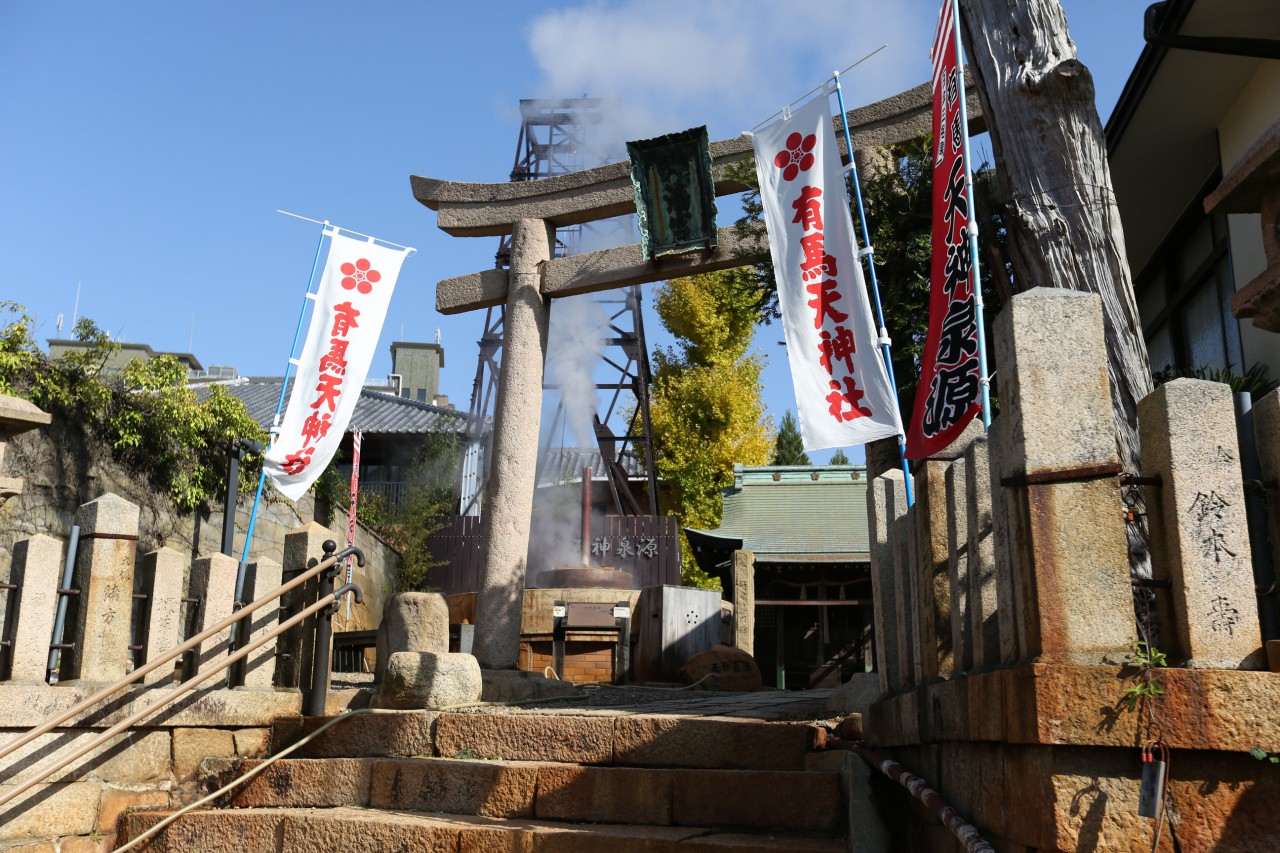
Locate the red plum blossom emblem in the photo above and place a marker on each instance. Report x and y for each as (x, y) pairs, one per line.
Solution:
(359, 276)
(798, 157)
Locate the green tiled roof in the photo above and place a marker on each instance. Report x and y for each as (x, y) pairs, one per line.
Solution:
(795, 514)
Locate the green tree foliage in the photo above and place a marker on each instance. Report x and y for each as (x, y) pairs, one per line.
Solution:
(897, 197)
(154, 424)
(409, 524)
(839, 458)
(706, 404)
(788, 447)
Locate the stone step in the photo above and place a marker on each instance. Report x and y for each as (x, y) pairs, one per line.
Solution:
(781, 800)
(354, 830)
(601, 738)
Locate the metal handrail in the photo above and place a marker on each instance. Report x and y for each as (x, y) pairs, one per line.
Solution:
(327, 600)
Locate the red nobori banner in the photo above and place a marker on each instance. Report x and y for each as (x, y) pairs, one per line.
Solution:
(843, 395)
(350, 305)
(949, 393)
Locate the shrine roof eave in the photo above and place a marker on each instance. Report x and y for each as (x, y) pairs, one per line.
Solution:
(592, 272)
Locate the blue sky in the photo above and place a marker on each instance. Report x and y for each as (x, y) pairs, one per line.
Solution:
(147, 145)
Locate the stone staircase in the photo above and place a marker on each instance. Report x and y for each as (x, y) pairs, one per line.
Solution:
(534, 781)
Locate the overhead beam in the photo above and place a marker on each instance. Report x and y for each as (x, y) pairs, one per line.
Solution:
(592, 272)
(490, 210)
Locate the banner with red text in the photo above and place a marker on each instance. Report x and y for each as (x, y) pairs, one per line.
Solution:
(949, 393)
(843, 395)
(346, 321)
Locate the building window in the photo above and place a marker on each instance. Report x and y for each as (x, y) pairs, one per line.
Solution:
(1184, 296)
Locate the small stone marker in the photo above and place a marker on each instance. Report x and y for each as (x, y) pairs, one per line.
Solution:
(411, 622)
(1199, 532)
(416, 680)
(161, 572)
(36, 570)
(101, 613)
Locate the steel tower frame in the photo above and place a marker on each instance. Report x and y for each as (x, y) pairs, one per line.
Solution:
(555, 139)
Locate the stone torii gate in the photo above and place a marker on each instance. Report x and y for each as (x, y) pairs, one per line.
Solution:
(531, 211)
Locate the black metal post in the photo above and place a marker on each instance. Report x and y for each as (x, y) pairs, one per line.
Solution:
(558, 632)
(320, 658)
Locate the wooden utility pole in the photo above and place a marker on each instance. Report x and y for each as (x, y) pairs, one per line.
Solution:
(1052, 173)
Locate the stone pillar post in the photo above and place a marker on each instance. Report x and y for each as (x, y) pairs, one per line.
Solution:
(886, 503)
(161, 573)
(104, 575)
(984, 629)
(260, 578)
(1069, 547)
(958, 566)
(929, 567)
(744, 601)
(37, 571)
(1266, 431)
(303, 548)
(517, 415)
(1001, 465)
(904, 581)
(1199, 531)
(213, 581)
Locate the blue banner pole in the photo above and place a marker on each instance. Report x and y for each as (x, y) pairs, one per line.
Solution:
(275, 421)
(984, 378)
(868, 252)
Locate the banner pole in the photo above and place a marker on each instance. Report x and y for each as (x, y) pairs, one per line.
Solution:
(869, 252)
(984, 378)
(356, 440)
(275, 421)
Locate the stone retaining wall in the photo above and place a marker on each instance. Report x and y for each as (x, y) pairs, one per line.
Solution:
(1009, 661)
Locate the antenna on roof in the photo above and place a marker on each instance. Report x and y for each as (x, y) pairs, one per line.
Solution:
(191, 334)
(61, 317)
(75, 312)
(437, 336)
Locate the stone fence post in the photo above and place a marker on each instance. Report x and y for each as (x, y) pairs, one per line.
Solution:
(886, 505)
(161, 574)
(260, 578)
(1266, 431)
(303, 548)
(1199, 532)
(104, 575)
(1068, 547)
(984, 629)
(28, 624)
(213, 582)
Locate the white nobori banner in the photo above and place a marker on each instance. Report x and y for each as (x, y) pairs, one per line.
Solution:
(346, 321)
(843, 395)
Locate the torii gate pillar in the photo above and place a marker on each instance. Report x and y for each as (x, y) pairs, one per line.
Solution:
(517, 417)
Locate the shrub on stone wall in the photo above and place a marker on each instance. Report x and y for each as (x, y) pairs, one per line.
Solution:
(146, 414)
